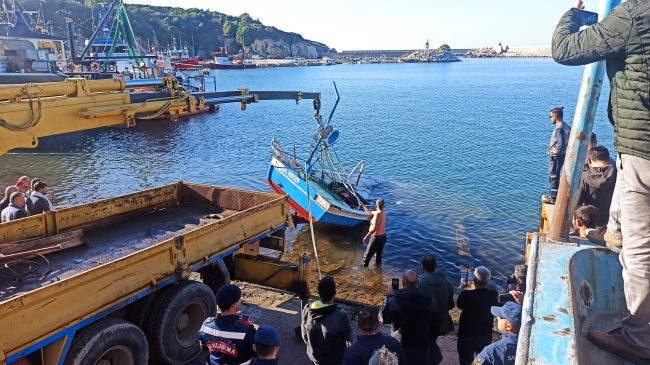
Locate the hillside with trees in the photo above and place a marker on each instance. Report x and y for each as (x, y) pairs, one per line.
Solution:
(201, 31)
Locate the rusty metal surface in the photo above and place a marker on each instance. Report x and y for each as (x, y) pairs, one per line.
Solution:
(227, 198)
(570, 289)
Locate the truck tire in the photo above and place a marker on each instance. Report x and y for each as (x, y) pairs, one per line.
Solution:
(140, 311)
(176, 319)
(108, 341)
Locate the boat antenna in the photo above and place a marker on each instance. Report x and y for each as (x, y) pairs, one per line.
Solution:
(336, 91)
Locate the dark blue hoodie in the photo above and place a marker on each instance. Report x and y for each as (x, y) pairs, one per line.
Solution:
(361, 352)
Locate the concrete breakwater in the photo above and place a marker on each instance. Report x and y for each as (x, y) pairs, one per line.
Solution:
(430, 56)
(423, 56)
(508, 52)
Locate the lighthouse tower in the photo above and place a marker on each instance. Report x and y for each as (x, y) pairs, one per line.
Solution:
(426, 45)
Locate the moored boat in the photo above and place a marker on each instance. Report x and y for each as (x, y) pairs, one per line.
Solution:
(222, 61)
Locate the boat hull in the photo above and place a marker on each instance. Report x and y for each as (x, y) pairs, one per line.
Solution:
(286, 182)
(187, 64)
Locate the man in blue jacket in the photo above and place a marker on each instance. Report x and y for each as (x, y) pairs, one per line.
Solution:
(228, 338)
(267, 345)
(371, 340)
(504, 351)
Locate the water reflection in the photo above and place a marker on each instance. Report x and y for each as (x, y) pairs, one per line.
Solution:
(464, 161)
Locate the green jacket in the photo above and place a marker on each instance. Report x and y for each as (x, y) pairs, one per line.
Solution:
(621, 39)
(436, 285)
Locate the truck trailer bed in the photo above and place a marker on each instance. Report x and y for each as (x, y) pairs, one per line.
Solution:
(137, 243)
(113, 241)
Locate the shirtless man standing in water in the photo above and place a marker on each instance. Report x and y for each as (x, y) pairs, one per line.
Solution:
(376, 233)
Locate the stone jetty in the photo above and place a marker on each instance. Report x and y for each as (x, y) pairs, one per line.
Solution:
(430, 56)
(510, 52)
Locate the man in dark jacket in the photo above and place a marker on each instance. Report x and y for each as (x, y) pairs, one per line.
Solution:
(413, 317)
(40, 203)
(16, 209)
(440, 289)
(476, 321)
(229, 338)
(371, 340)
(267, 345)
(6, 200)
(597, 183)
(325, 327)
(622, 39)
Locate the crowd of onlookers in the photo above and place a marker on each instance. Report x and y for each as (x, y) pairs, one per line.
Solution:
(417, 312)
(27, 197)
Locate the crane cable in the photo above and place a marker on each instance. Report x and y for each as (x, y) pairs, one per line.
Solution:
(166, 107)
(311, 224)
(33, 120)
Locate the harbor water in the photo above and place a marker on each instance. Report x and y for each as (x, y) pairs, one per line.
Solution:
(461, 147)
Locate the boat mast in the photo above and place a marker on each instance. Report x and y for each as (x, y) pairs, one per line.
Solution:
(98, 29)
(323, 132)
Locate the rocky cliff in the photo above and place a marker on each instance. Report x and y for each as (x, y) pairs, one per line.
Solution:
(270, 48)
(202, 31)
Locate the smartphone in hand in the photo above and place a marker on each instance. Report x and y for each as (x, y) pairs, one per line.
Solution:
(588, 17)
(395, 284)
(504, 298)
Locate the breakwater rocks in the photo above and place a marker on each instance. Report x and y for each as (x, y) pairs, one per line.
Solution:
(500, 52)
(430, 56)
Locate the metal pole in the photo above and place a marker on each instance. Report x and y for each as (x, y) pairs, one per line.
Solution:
(583, 121)
(99, 28)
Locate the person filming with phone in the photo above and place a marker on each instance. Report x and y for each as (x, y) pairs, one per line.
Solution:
(413, 316)
(622, 40)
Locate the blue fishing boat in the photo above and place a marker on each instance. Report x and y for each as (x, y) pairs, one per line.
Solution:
(319, 187)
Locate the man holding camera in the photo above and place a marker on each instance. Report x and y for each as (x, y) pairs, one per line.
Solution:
(413, 316)
(622, 40)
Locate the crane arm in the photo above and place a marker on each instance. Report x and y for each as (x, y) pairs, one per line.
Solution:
(31, 111)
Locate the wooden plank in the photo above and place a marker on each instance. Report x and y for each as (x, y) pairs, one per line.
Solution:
(65, 240)
(28, 254)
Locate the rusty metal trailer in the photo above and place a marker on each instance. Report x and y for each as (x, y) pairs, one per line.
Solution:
(126, 296)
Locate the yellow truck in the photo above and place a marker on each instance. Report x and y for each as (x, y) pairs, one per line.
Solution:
(126, 292)
(126, 295)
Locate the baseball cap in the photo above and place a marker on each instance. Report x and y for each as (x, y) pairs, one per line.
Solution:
(267, 336)
(228, 295)
(510, 311)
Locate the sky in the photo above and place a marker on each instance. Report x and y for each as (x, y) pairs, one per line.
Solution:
(405, 24)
